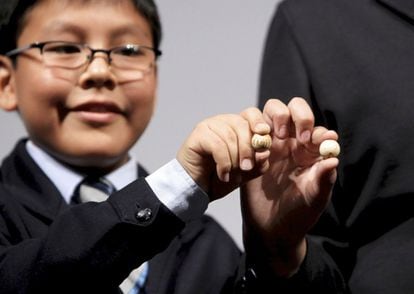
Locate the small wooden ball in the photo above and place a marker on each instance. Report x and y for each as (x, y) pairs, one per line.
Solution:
(329, 148)
(261, 142)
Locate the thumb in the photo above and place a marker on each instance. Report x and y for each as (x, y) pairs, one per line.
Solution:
(325, 179)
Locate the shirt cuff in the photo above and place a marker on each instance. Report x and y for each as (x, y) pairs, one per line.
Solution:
(177, 190)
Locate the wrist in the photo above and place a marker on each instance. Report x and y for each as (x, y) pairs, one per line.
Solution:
(279, 260)
(286, 261)
(194, 169)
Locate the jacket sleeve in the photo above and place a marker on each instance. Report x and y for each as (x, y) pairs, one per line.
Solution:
(88, 247)
(284, 75)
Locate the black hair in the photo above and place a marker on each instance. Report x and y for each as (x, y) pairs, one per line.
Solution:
(13, 12)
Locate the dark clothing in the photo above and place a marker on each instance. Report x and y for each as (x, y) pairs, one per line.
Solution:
(354, 62)
(47, 246)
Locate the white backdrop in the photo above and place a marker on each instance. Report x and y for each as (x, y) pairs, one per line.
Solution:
(212, 53)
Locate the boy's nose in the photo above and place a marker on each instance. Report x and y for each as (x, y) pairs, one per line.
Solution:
(98, 73)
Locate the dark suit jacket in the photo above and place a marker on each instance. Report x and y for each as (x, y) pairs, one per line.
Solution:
(46, 246)
(354, 62)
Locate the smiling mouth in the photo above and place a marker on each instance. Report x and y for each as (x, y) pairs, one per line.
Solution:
(98, 107)
(97, 113)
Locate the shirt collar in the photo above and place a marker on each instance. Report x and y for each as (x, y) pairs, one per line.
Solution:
(66, 179)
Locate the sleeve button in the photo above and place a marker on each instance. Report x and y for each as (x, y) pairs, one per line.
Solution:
(144, 215)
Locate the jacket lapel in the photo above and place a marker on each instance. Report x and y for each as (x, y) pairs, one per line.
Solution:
(404, 8)
(21, 176)
(23, 179)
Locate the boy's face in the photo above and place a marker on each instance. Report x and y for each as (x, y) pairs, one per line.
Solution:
(86, 117)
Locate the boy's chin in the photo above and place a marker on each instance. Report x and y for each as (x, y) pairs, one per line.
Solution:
(97, 164)
(85, 158)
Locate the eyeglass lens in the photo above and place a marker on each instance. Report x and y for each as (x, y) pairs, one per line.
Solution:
(128, 62)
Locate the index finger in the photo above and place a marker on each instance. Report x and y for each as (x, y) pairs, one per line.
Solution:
(276, 114)
(302, 118)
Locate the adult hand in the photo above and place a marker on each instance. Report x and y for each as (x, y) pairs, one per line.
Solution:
(280, 207)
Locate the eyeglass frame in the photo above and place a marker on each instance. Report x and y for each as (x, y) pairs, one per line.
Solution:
(40, 45)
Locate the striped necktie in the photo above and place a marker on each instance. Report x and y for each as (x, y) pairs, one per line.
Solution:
(93, 189)
(98, 189)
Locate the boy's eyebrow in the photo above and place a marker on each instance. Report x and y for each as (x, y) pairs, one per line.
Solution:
(60, 27)
(129, 31)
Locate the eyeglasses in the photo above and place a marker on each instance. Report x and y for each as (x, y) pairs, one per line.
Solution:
(128, 58)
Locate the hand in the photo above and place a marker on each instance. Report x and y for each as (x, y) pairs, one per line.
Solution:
(280, 207)
(218, 154)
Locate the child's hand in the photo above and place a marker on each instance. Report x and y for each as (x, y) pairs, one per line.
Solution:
(219, 155)
(280, 207)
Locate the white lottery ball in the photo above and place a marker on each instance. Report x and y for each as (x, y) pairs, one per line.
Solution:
(329, 148)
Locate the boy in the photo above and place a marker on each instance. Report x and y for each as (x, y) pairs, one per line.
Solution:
(84, 106)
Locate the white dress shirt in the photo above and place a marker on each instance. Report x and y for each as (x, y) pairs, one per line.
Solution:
(170, 183)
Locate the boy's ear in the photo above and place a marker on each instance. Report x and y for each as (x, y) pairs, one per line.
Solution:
(8, 100)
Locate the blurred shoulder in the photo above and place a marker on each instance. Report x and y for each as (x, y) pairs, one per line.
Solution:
(322, 17)
(311, 9)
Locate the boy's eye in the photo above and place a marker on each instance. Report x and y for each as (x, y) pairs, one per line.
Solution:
(129, 50)
(62, 48)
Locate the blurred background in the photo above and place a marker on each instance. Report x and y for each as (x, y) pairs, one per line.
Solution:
(210, 65)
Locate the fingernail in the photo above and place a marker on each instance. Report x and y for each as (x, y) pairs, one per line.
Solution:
(226, 177)
(246, 164)
(262, 128)
(305, 136)
(283, 131)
